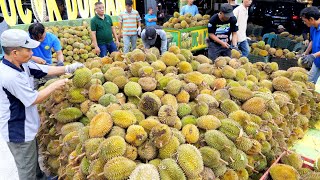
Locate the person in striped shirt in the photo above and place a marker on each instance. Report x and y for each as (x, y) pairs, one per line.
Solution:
(130, 25)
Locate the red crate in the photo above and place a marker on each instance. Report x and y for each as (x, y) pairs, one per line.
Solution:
(308, 163)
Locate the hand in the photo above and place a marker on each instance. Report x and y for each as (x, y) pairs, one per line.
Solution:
(149, 20)
(39, 60)
(139, 30)
(59, 83)
(308, 59)
(225, 45)
(60, 63)
(306, 42)
(73, 67)
(97, 50)
(117, 44)
(234, 47)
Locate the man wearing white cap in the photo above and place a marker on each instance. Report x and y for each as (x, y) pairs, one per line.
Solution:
(281, 29)
(19, 118)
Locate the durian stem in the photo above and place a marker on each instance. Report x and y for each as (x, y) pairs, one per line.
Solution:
(95, 154)
(89, 176)
(76, 168)
(101, 174)
(252, 168)
(231, 159)
(80, 156)
(223, 161)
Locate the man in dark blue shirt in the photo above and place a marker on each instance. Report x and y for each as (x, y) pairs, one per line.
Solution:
(311, 17)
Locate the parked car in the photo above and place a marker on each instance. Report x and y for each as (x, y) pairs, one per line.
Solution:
(271, 14)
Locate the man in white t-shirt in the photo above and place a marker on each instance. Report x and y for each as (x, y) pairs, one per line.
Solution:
(241, 13)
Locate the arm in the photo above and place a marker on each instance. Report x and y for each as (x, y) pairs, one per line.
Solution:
(46, 92)
(56, 70)
(38, 60)
(60, 56)
(182, 11)
(164, 42)
(94, 42)
(234, 39)
(115, 35)
(308, 50)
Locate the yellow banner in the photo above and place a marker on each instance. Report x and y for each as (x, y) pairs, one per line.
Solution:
(85, 8)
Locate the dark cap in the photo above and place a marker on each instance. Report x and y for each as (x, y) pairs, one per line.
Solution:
(129, 2)
(151, 33)
(227, 10)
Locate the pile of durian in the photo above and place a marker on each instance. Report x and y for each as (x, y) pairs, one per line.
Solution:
(75, 42)
(185, 21)
(174, 116)
(291, 167)
(262, 49)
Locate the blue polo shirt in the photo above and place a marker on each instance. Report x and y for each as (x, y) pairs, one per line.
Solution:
(150, 16)
(19, 118)
(44, 49)
(315, 38)
(193, 10)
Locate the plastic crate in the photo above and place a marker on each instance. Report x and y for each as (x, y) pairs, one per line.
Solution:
(291, 45)
(254, 58)
(284, 63)
(282, 42)
(307, 163)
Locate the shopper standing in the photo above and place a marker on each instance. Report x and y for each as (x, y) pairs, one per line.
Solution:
(311, 17)
(150, 18)
(130, 26)
(241, 13)
(102, 30)
(19, 117)
(189, 8)
(220, 27)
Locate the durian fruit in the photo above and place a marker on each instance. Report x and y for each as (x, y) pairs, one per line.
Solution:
(230, 174)
(184, 67)
(183, 110)
(160, 135)
(100, 125)
(228, 72)
(70, 127)
(241, 93)
(283, 172)
(170, 59)
(91, 146)
(170, 149)
(207, 174)
(95, 92)
(218, 140)
(114, 72)
(145, 171)
(169, 169)
(211, 157)
(132, 89)
(148, 83)
(255, 105)
(282, 83)
(208, 122)
(112, 147)
(293, 159)
(228, 106)
(131, 152)
(77, 95)
(136, 135)
(68, 115)
(231, 128)
(191, 133)
(123, 118)
(194, 77)
(167, 115)
(183, 96)
(81, 77)
(147, 151)
(174, 86)
(235, 54)
(174, 49)
(95, 168)
(117, 131)
(119, 168)
(149, 104)
(190, 160)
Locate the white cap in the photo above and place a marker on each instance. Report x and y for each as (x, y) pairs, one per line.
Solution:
(17, 38)
(281, 27)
